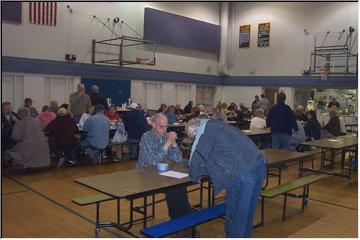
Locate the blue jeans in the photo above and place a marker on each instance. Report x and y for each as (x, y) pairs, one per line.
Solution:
(294, 141)
(242, 197)
(133, 146)
(280, 141)
(177, 202)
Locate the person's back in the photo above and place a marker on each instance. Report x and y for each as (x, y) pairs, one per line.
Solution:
(257, 123)
(171, 117)
(97, 130)
(312, 129)
(46, 117)
(281, 119)
(63, 128)
(31, 148)
(135, 124)
(226, 141)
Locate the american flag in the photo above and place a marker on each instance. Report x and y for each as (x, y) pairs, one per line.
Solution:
(43, 13)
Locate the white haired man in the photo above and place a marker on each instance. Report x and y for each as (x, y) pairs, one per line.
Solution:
(233, 162)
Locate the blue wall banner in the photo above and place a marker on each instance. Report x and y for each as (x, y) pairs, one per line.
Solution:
(118, 90)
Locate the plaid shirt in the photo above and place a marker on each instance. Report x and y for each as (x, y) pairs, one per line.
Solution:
(152, 152)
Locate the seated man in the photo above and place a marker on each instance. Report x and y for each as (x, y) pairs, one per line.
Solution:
(8, 120)
(63, 129)
(85, 116)
(170, 114)
(96, 129)
(258, 122)
(333, 126)
(156, 146)
(31, 149)
(297, 137)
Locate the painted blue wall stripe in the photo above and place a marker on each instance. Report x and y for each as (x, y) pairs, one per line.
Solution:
(27, 65)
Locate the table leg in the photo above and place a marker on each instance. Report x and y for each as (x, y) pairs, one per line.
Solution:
(145, 211)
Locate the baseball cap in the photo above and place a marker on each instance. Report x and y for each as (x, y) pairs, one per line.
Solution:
(133, 105)
(99, 107)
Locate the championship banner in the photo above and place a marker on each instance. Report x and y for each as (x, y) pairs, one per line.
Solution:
(264, 35)
(244, 36)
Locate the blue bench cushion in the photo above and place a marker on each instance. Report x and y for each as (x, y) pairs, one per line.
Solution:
(186, 221)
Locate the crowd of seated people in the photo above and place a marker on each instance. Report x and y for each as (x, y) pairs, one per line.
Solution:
(288, 127)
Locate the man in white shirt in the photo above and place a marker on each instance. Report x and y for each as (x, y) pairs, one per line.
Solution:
(264, 104)
(258, 122)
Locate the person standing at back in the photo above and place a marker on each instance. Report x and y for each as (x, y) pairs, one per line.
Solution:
(28, 104)
(264, 104)
(255, 104)
(79, 102)
(281, 120)
(96, 98)
(188, 107)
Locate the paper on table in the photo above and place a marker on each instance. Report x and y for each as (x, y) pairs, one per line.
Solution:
(333, 140)
(174, 174)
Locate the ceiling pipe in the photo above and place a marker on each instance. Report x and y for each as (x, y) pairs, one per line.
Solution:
(224, 29)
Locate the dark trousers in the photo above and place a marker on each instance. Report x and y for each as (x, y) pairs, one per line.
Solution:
(177, 202)
(70, 152)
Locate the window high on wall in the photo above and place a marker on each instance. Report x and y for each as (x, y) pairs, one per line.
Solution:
(205, 96)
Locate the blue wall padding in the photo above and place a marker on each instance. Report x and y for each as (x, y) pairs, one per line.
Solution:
(178, 31)
(118, 90)
(38, 66)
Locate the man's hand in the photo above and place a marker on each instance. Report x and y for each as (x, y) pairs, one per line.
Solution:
(172, 136)
(14, 118)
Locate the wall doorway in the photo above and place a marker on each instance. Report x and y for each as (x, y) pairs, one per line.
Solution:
(271, 94)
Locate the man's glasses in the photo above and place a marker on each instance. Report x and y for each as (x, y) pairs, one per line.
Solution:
(162, 127)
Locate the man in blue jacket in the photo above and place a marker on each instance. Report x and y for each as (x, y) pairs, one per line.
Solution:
(233, 162)
(97, 129)
(136, 125)
(281, 121)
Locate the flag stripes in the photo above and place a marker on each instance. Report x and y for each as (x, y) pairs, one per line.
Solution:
(43, 13)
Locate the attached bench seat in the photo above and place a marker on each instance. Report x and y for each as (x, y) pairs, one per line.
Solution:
(95, 199)
(284, 188)
(184, 222)
(92, 199)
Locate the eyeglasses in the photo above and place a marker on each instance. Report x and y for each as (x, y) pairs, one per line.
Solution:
(161, 127)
